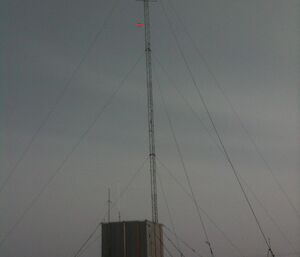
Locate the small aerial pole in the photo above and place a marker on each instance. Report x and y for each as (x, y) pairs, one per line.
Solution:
(108, 206)
(152, 157)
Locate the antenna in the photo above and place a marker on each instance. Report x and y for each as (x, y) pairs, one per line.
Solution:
(119, 197)
(152, 157)
(108, 206)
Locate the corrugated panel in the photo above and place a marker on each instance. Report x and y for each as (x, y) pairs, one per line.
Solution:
(112, 240)
(131, 239)
(136, 238)
(155, 240)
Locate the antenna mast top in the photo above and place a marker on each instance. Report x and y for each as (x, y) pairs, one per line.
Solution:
(152, 157)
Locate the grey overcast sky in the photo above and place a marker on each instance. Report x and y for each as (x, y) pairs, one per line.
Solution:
(53, 197)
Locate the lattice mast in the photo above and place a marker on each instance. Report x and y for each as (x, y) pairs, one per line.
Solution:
(152, 157)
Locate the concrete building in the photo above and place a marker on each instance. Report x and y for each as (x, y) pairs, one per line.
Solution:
(132, 239)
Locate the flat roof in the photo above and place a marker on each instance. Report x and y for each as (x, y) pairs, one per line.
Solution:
(130, 221)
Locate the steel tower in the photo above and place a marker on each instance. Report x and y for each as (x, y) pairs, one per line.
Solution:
(152, 157)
